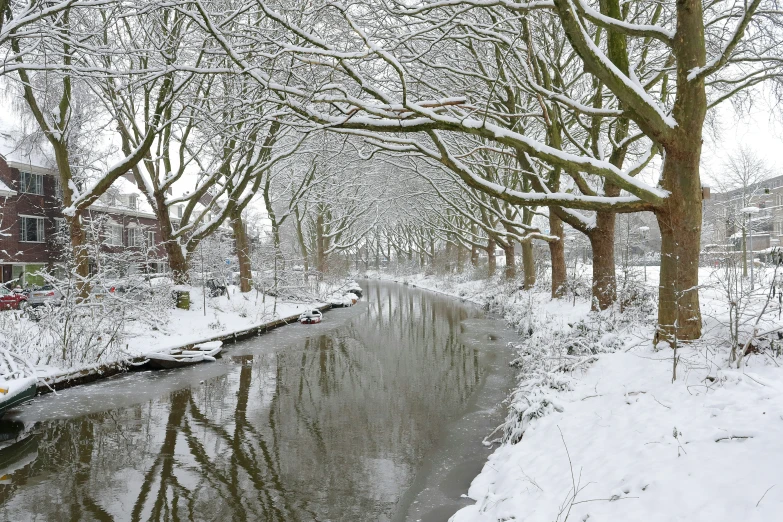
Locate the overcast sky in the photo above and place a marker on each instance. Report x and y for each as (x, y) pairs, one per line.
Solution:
(759, 128)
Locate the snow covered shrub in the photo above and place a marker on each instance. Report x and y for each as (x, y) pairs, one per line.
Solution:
(549, 356)
(75, 331)
(748, 318)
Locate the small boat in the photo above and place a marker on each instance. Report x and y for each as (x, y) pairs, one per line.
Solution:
(311, 317)
(341, 301)
(18, 383)
(354, 288)
(204, 352)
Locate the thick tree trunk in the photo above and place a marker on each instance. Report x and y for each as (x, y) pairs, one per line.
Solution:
(178, 262)
(680, 217)
(81, 258)
(529, 265)
(557, 256)
(491, 261)
(242, 248)
(511, 269)
(604, 279)
(679, 315)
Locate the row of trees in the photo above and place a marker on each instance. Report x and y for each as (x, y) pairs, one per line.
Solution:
(585, 108)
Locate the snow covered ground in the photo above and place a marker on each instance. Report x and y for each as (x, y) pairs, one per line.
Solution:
(106, 333)
(224, 315)
(599, 431)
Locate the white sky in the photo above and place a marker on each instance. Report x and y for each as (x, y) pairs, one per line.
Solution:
(759, 129)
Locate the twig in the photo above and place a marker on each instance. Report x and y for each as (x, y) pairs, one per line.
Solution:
(659, 402)
(765, 494)
(604, 500)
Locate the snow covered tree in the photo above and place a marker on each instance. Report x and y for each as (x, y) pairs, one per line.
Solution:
(686, 58)
(54, 75)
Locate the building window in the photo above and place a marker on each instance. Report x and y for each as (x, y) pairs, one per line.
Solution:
(133, 201)
(58, 189)
(135, 237)
(31, 183)
(150, 238)
(60, 226)
(114, 235)
(31, 229)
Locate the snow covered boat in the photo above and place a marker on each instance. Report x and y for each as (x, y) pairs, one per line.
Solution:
(354, 288)
(18, 383)
(204, 352)
(311, 317)
(340, 301)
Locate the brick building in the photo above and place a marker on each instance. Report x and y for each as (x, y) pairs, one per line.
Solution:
(31, 216)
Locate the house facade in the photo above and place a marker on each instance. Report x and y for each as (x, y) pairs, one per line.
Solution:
(32, 225)
(724, 219)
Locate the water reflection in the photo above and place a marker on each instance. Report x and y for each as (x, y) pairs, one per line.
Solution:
(305, 423)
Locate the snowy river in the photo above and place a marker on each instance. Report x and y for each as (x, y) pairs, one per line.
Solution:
(377, 413)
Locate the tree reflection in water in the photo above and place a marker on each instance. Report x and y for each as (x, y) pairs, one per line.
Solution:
(327, 427)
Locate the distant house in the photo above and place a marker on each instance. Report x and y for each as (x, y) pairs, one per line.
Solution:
(31, 216)
(724, 219)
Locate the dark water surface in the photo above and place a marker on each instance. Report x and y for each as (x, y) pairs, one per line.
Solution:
(375, 414)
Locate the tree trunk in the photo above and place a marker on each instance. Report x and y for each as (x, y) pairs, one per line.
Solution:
(377, 252)
(81, 258)
(242, 248)
(680, 217)
(491, 261)
(302, 244)
(557, 256)
(604, 279)
(679, 315)
(511, 268)
(178, 262)
(448, 254)
(474, 255)
(320, 241)
(528, 264)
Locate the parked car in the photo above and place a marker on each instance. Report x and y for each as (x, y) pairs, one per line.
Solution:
(10, 300)
(46, 294)
(101, 291)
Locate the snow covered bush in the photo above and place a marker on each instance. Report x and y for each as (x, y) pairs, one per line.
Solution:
(556, 347)
(75, 331)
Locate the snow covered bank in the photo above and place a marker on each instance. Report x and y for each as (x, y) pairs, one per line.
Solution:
(599, 430)
(115, 329)
(225, 315)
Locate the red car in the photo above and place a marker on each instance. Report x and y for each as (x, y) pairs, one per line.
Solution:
(10, 300)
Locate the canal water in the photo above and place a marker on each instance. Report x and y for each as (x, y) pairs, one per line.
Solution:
(378, 413)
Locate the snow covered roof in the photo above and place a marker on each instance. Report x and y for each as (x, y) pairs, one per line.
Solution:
(126, 198)
(24, 156)
(5, 190)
